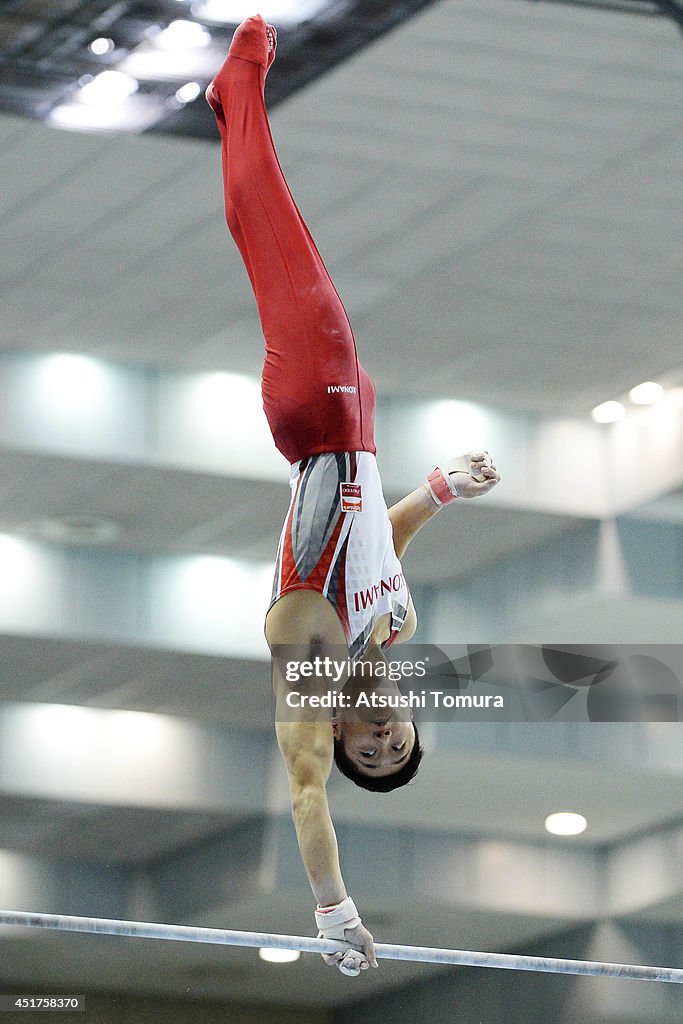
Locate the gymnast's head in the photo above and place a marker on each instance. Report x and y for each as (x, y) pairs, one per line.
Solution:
(379, 755)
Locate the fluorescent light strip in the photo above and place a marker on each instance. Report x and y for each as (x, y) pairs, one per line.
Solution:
(566, 823)
(608, 412)
(279, 956)
(647, 393)
(285, 13)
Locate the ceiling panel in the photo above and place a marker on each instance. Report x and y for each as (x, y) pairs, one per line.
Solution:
(516, 801)
(212, 689)
(164, 510)
(110, 835)
(524, 160)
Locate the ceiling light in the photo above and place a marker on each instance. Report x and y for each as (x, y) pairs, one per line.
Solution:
(182, 35)
(150, 62)
(26, 573)
(454, 418)
(13, 555)
(608, 412)
(646, 393)
(566, 823)
(135, 114)
(279, 956)
(73, 382)
(223, 403)
(188, 92)
(109, 87)
(282, 12)
(101, 46)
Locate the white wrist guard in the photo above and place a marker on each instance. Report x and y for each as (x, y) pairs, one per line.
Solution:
(441, 482)
(332, 921)
(440, 488)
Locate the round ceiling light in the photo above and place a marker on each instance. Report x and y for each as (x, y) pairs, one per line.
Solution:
(566, 823)
(279, 956)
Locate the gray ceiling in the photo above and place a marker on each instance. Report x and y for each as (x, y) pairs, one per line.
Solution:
(495, 188)
(160, 510)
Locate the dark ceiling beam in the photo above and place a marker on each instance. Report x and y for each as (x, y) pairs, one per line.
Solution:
(645, 8)
(672, 10)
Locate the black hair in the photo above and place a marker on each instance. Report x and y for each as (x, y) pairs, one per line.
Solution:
(383, 783)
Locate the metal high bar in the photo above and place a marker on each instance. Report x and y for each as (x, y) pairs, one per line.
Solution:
(305, 944)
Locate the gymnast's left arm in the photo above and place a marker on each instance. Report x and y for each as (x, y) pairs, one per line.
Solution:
(465, 476)
(306, 747)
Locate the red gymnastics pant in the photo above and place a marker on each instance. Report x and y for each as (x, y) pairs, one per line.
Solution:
(316, 395)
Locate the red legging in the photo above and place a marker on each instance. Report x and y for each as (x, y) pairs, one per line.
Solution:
(316, 395)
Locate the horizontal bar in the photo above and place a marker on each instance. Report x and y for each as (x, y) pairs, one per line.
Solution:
(423, 954)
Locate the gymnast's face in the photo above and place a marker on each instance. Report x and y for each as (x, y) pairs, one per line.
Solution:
(377, 748)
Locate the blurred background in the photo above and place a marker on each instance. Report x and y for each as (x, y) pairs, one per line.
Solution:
(496, 187)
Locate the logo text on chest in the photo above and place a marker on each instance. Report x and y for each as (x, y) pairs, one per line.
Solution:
(366, 598)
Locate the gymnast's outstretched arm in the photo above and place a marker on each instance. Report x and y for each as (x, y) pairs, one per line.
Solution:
(304, 623)
(456, 479)
(306, 747)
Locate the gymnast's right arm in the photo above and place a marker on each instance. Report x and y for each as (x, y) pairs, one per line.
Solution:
(307, 749)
